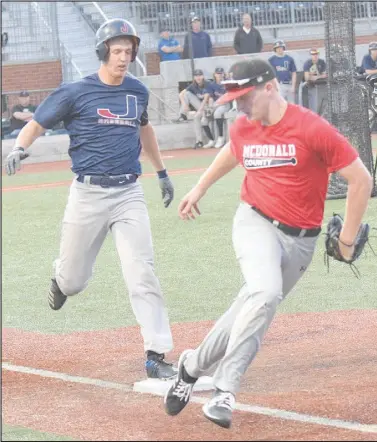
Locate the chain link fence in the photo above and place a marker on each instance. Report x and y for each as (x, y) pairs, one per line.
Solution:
(32, 34)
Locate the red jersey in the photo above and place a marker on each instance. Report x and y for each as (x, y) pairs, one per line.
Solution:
(288, 164)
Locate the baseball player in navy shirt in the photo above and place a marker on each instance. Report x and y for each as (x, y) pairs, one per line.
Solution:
(106, 117)
(285, 68)
(369, 63)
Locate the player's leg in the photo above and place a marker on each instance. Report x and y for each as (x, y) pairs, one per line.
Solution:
(207, 130)
(131, 230)
(193, 100)
(218, 116)
(235, 339)
(84, 228)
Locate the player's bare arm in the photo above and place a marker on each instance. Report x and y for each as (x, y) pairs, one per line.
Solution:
(224, 162)
(29, 134)
(25, 139)
(360, 185)
(150, 146)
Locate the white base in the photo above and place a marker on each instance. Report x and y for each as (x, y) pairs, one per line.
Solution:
(158, 387)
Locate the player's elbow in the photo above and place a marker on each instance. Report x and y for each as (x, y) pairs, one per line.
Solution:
(357, 175)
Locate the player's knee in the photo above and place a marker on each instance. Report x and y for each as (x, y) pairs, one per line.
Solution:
(71, 287)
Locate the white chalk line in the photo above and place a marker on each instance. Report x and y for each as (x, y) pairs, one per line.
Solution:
(254, 409)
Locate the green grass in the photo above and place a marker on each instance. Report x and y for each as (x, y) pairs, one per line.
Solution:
(10, 433)
(67, 175)
(194, 261)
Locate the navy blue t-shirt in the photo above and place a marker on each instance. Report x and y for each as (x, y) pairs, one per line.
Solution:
(199, 91)
(103, 123)
(315, 68)
(369, 63)
(284, 66)
(217, 90)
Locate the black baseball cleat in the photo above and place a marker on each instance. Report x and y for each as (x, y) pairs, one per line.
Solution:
(198, 145)
(158, 368)
(219, 409)
(178, 395)
(56, 298)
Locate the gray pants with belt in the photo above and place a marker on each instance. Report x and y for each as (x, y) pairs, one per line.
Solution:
(91, 212)
(271, 263)
(286, 92)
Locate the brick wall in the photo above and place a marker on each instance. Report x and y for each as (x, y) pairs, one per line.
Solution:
(44, 75)
(153, 59)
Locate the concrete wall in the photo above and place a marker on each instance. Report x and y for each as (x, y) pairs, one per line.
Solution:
(172, 72)
(55, 148)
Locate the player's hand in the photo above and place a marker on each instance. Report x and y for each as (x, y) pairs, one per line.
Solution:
(13, 160)
(190, 202)
(347, 251)
(167, 190)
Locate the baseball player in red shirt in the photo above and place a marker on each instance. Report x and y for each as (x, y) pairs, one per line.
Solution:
(287, 152)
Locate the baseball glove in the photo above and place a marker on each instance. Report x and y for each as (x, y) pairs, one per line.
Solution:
(334, 228)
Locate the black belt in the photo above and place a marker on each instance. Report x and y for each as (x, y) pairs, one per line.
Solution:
(108, 181)
(285, 82)
(292, 231)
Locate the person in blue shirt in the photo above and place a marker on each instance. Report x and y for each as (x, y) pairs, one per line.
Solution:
(314, 69)
(369, 64)
(196, 95)
(201, 42)
(217, 112)
(285, 68)
(106, 116)
(169, 48)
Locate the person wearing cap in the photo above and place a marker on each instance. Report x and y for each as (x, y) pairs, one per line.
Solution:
(285, 67)
(169, 48)
(196, 95)
(288, 153)
(217, 112)
(369, 63)
(314, 69)
(201, 42)
(22, 113)
(247, 39)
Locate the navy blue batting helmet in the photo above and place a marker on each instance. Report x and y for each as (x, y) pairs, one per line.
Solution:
(372, 45)
(116, 27)
(278, 44)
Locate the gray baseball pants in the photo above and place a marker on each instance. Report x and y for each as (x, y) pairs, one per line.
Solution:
(91, 212)
(192, 99)
(271, 263)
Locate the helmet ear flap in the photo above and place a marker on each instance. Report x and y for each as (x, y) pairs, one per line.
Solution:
(102, 52)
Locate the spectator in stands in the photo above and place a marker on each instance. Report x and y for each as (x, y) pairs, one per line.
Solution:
(247, 39)
(201, 42)
(196, 95)
(216, 112)
(4, 39)
(314, 69)
(168, 47)
(285, 71)
(369, 64)
(22, 113)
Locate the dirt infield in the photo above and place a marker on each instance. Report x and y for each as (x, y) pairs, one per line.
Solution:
(319, 364)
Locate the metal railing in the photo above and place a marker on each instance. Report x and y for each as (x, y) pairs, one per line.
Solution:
(65, 56)
(28, 38)
(227, 15)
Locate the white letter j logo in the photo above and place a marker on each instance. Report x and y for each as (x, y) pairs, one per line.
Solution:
(131, 110)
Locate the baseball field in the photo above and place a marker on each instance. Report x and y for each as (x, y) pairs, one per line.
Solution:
(70, 374)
